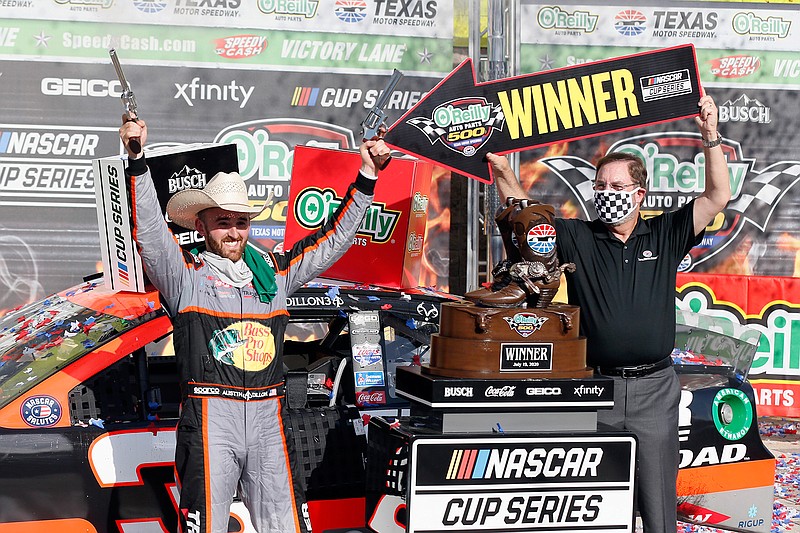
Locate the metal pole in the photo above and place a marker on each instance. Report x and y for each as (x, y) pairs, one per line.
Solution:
(473, 192)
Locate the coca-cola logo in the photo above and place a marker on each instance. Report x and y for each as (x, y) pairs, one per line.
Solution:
(376, 397)
(506, 391)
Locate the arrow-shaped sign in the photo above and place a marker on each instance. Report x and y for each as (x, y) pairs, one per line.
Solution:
(459, 121)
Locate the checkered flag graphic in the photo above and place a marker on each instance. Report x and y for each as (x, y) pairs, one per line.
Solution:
(428, 127)
(496, 118)
(761, 194)
(578, 174)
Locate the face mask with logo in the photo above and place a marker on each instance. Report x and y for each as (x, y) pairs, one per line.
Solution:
(614, 207)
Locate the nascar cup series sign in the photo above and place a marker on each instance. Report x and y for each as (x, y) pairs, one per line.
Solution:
(522, 484)
(459, 121)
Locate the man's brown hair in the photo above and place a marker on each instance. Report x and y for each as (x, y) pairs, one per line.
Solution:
(636, 167)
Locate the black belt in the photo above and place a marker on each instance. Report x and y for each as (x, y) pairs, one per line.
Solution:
(234, 393)
(634, 371)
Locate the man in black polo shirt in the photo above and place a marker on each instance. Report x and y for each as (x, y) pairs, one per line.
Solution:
(624, 284)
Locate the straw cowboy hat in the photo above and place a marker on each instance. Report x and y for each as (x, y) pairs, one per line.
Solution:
(226, 190)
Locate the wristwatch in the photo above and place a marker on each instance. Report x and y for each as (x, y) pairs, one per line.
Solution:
(715, 142)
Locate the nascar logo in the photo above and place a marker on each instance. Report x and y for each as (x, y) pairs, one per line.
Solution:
(41, 411)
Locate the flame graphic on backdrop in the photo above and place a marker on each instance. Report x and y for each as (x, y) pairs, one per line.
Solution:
(790, 244)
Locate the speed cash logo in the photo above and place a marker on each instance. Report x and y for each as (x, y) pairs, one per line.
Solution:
(522, 483)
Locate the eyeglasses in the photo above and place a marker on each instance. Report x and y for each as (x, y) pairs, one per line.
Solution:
(616, 186)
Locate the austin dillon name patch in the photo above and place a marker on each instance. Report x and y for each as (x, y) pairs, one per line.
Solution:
(526, 357)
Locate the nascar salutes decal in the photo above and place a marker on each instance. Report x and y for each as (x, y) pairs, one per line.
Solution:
(41, 411)
(459, 121)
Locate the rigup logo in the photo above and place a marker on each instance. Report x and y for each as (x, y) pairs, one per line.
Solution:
(41, 411)
(525, 324)
(303, 8)
(762, 29)
(555, 18)
(737, 66)
(630, 22)
(463, 125)
(665, 85)
(350, 11)
(194, 90)
(542, 239)
(744, 109)
(314, 206)
(239, 47)
(524, 463)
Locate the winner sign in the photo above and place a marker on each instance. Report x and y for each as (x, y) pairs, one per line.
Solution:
(459, 121)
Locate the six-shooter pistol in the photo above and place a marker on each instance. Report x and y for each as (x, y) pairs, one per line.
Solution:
(128, 99)
(370, 127)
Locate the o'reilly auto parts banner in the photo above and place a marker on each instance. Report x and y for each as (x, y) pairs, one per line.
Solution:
(522, 483)
(264, 75)
(748, 61)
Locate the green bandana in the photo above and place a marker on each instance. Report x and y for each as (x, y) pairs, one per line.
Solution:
(263, 274)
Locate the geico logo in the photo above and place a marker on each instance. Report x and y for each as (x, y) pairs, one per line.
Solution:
(555, 462)
(543, 391)
(206, 390)
(80, 87)
(709, 455)
(458, 391)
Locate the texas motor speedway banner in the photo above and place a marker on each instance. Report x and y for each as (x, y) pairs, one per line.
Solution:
(266, 75)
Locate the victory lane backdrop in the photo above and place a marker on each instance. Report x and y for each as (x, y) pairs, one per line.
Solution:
(459, 121)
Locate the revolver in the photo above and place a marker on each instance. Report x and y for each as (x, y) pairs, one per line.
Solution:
(370, 126)
(128, 100)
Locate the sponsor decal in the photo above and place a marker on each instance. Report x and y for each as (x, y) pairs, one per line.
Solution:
(737, 66)
(458, 392)
(414, 242)
(525, 324)
(566, 23)
(711, 455)
(314, 206)
(149, 6)
(314, 301)
(419, 204)
(95, 88)
(196, 91)
(375, 397)
(526, 357)
(208, 8)
(239, 47)
(369, 379)
(542, 239)
(86, 5)
(647, 255)
(351, 97)
(757, 28)
(732, 413)
(186, 178)
(428, 310)
(506, 391)
(463, 125)
(666, 85)
(246, 345)
(630, 22)
(367, 354)
(417, 13)
(40, 411)
(543, 391)
(745, 109)
(595, 390)
(350, 11)
(525, 463)
(701, 514)
(289, 9)
(685, 24)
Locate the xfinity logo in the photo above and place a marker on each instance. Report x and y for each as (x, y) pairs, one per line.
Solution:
(194, 90)
(463, 392)
(583, 390)
(80, 87)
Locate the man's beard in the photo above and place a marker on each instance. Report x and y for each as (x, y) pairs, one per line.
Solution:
(223, 250)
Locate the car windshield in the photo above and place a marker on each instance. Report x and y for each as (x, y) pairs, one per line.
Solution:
(40, 338)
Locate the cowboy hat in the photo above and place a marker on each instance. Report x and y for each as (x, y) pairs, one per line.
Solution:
(226, 190)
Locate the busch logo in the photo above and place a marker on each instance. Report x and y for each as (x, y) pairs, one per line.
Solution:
(186, 178)
(464, 392)
(314, 206)
(744, 109)
(506, 391)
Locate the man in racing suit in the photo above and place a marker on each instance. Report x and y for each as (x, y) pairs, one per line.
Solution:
(228, 337)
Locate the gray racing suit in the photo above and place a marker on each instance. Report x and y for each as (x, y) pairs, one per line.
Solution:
(229, 353)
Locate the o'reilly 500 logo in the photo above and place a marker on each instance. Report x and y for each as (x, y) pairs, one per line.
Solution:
(314, 206)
